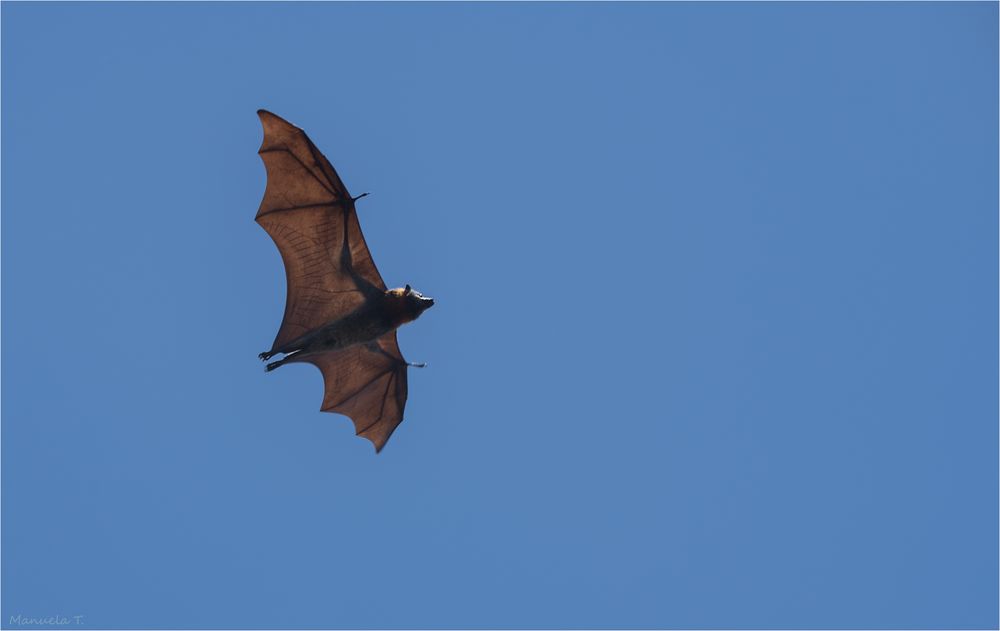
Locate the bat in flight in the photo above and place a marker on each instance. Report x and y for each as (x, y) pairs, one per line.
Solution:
(339, 315)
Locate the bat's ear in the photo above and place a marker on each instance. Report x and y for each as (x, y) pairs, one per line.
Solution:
(407, 290)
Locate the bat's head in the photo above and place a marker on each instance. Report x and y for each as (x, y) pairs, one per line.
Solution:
(416, 302)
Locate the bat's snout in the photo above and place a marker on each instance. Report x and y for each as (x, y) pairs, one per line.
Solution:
(425, 303)
(418, 303)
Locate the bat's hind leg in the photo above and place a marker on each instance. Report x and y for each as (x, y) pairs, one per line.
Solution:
(287, 349)
(294, 346)
(293, 356)
(276, 364)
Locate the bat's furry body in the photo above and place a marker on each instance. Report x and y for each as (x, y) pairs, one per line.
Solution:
(378, 315)
(339, 315)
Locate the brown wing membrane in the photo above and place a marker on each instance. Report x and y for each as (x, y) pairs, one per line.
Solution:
(310, 216)
(366, 384)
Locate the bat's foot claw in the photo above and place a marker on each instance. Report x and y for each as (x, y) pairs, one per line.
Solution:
(417, 365)
(265, 356)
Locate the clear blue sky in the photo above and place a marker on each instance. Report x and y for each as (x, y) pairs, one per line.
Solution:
(715, 342)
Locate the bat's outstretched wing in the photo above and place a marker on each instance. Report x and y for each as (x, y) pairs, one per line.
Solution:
(366, 384)
(310, 215)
